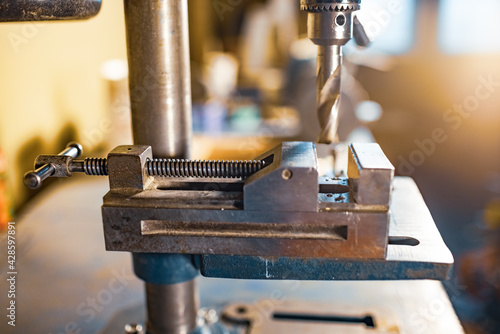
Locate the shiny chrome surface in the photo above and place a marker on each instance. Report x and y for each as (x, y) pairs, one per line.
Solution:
(329, 68)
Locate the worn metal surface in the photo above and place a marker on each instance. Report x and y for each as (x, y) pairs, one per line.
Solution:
(48, 10)
(266, 316)
(290, 183)
(278, 212)
(159, 75)
(416, 251)
(160, 93)
(171, 308)
(148, 229)
(65, 266)
(126, 167)
(370, 174)
(54, 165)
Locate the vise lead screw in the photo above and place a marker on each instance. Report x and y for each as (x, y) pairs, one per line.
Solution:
(176, 168)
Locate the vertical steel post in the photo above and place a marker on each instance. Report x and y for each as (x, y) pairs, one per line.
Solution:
(159, 75)
(174, 316)
(160, 96)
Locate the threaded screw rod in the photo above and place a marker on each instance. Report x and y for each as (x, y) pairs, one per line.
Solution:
(90, 166)
(203, 168)
(178, 168)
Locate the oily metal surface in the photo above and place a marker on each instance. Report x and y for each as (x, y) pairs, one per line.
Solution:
(48, 10)
(65, 266)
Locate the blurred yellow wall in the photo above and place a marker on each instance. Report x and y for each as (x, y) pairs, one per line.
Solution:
(50, 85)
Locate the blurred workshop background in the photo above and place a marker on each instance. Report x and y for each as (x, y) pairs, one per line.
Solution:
(427, 89)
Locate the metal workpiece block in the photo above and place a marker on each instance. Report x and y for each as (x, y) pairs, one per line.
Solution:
(60, 163)
(370, 175)
(290, 183)
(126, 167)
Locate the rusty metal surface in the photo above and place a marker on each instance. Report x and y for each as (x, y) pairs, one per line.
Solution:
(64, 265)
(48, 10)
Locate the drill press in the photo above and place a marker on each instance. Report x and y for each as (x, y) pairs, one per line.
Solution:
(271, 218)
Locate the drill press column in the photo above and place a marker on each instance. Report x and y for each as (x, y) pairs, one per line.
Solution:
(160, 77)
(160, 96)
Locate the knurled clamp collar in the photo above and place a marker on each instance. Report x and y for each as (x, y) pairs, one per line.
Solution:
(316, 6)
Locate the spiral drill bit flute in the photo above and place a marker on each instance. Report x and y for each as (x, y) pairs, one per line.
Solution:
(330, 26)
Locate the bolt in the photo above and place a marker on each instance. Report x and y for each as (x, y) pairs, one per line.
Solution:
(34, 179)
(133, 329)
(287, 174)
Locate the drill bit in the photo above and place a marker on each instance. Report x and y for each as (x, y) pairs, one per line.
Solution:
(329, 26)
(329, 69)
